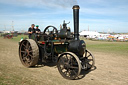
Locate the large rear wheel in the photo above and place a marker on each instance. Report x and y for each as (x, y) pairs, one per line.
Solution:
(69, 65)
(29, 52)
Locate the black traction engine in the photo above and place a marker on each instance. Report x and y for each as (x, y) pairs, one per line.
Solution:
(59, 46)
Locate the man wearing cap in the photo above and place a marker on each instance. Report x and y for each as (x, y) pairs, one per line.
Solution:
(37, 31)
(31, 30)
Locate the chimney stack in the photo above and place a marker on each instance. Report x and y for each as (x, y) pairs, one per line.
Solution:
(76, 21)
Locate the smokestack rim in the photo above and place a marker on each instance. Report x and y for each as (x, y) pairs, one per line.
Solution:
(76, 7)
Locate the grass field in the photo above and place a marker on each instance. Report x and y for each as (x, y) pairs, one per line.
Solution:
(19, 37)
(120, 48)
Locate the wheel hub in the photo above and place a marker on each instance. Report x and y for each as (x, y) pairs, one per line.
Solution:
(66, 66)
(27, 51)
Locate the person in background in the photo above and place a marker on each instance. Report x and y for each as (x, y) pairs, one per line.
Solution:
(31, 30)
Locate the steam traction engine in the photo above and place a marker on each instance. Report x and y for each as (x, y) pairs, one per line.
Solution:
(62, 47)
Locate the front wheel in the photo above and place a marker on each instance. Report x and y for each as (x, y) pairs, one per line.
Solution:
(69, 65)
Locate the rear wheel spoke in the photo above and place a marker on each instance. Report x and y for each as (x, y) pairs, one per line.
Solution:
(23, 51)
(30, 51)
(30, 55)
(27, 45)
(23, 45)
(24, 58)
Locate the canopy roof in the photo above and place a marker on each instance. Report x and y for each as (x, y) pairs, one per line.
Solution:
(89, 33)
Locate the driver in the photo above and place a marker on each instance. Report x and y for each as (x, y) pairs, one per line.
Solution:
(31, 30)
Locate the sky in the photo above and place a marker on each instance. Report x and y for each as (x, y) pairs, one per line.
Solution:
(97, 15)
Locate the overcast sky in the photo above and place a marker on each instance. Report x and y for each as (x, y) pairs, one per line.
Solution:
(99, 15)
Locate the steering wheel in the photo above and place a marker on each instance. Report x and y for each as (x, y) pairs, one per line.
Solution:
(52, 33)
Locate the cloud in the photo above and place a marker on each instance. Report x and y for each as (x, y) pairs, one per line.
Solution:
(104, 7)
(104, 11)
(41, 3)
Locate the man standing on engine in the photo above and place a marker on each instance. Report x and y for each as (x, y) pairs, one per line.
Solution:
(37, 30)
(31, 30)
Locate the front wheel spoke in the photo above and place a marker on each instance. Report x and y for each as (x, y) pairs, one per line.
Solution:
(88, 55)
(62, 61)
(66, 57)
(73, 67)
(62, 67)
(65, 72)
(89, 65)
(69, 60)
(90, 60)
(74, 72)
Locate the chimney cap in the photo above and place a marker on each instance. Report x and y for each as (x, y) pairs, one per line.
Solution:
(76, 7)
